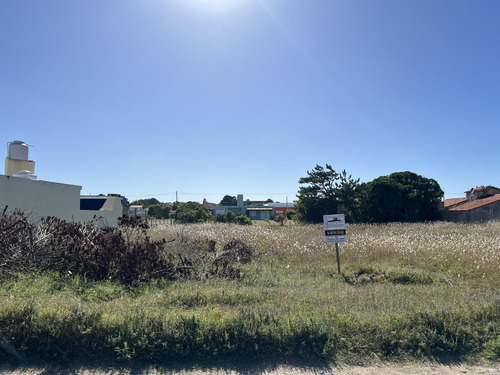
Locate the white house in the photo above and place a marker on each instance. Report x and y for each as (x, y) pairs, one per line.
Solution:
(20, 189)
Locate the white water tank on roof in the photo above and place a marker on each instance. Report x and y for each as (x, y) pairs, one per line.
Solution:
(17, 150)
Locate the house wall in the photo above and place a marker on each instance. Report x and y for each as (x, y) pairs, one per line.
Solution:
(251, 212)
(40, 198)
(224, 209)
(282, 210)
(107, 216)
(259, 215)
(238, 210)
(484, 213)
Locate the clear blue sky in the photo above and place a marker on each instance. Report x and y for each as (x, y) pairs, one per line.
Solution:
(214, 97)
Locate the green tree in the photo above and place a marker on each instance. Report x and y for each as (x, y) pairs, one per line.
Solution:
(291, 214)
(402, 196)
(159, 211)
(191, 212)
(349, 197)
(383, 201)
(146, 202)
(229, 217)
(325, 192)
(220, 218)
(228, 200)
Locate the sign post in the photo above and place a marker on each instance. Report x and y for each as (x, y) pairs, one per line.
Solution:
(335, 232)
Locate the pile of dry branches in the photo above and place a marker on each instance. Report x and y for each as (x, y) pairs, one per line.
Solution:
(126, 254)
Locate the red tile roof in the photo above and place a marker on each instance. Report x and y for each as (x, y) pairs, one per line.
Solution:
(476, 203)
(479, 188)
(453, 201)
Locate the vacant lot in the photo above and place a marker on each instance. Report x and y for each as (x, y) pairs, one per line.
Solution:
(407, 291)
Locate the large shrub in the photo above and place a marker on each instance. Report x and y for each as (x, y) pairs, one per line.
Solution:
(242, 220)
(191, 212)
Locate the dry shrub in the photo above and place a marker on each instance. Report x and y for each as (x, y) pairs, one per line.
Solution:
(202, 261)
(126, 254)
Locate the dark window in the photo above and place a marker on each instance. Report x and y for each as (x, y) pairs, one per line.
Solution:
(91, 204)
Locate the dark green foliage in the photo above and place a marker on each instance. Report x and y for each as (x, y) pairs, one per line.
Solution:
(191, 212)
(312, 209)
(317, 197)
(402, 196)
(46, 337)
(349, 194)
(408, 277)
(159, 211)
(493, 348)
(442, 334)
(248, 202)
(368, 275)
(229, 217)
(146, 202)
(242, 220)
(228, 200)
(291, 214)
(156, 209)
(82, 335)
(327, 192)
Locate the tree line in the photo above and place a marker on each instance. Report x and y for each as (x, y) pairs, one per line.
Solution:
(398, 197)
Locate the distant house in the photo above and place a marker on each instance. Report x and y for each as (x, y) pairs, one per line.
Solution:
(208, 205)
(480, 204)
(253, 212)
(266, 211)
(260, 213)
(137, 210)
(239, 209)
(281, 208)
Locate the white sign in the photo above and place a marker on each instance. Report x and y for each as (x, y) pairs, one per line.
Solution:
(335, 228)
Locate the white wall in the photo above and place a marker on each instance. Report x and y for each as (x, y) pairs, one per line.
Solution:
(40, 198)
(107, 216)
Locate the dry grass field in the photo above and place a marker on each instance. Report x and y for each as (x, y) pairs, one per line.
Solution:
(406, 292)
(388, 269)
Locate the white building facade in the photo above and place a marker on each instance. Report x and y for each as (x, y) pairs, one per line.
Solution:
(21, 190)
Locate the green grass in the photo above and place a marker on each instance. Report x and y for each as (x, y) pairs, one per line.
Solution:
(428, 291)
